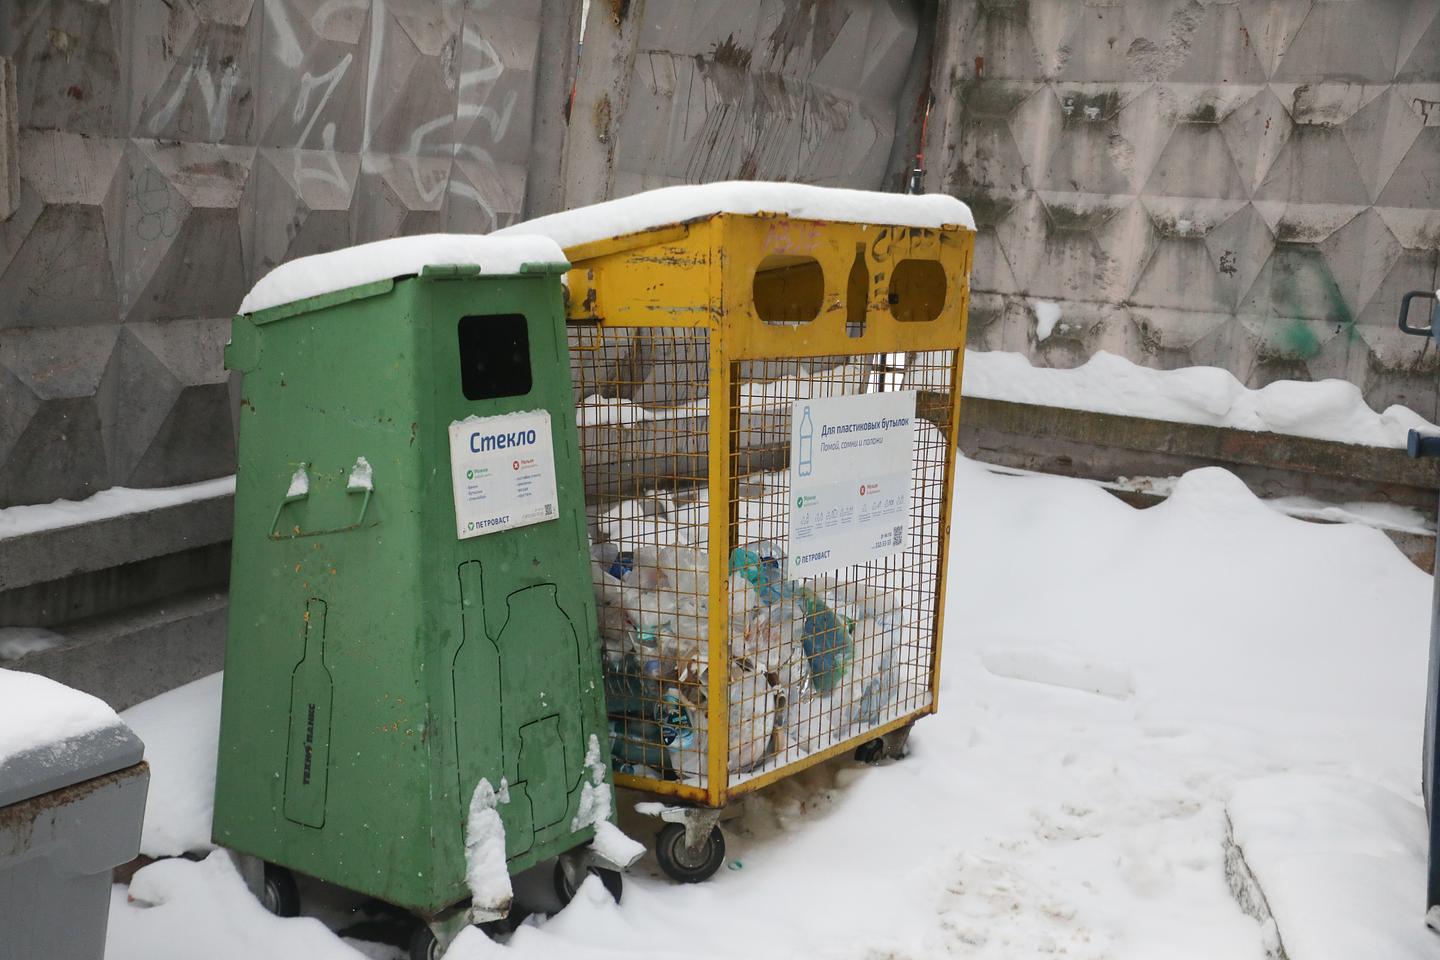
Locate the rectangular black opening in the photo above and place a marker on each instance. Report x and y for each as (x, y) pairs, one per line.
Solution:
(494, 356)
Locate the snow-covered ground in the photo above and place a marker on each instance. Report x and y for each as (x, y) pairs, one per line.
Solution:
(1123, 690)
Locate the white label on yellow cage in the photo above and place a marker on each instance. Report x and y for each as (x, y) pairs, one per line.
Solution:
(502, 470)
(852, 459)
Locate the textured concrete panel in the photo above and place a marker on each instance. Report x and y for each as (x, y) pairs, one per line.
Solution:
(170, 154)
(1244, 183)
(682, 93)
(52, 411)
(54, 555)
(126, 659)
(315, 63)
(181, 252)
(55, 250)
(193, 71)
(70, 62)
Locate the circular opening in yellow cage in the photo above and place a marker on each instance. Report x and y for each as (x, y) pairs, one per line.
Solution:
(917, 290)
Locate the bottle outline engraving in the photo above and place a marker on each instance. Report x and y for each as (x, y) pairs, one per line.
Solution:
(312, 694)
(806, 463)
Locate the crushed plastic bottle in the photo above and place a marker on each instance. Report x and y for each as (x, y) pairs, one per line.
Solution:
(675, 728)
(755, 716)
(763, 568)
(647, 648)
(827, 643)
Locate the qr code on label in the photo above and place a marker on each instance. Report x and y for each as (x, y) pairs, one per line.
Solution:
(897, 536)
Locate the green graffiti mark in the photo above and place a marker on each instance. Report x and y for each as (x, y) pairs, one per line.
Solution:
(1296, 339)
(1300, 278)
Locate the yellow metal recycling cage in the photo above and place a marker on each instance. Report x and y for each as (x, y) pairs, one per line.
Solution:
(707, 356)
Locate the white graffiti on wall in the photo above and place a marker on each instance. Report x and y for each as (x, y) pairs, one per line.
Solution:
(479, 119)
(477, 87)
(331, 174)
(215, 97)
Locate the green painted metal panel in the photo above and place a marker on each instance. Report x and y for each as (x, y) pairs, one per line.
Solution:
(378, 666)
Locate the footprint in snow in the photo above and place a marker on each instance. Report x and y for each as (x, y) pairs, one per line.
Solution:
(994, 909)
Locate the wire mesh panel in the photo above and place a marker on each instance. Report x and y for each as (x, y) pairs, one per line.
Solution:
(644, 438)
(804, 664)
(817, 661)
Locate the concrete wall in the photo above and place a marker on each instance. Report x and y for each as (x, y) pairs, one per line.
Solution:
(170, 153)
(672, 91)
(1250, 185)
(160, 157)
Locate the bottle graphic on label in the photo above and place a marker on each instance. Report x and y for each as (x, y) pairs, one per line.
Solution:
(806, 463)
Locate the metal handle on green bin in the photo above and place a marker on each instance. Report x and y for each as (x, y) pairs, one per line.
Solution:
(296, 532)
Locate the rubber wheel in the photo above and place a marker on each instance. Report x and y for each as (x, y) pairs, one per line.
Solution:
(682, 864)
(281, 897)
(564, 892)
(871, 751)
(505, 926)
(423, 945)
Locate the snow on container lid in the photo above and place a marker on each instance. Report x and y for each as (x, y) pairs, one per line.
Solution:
(338, 270)
(657, 208)
(52, 736)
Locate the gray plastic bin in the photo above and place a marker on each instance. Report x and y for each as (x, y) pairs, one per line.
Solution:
(70, 812)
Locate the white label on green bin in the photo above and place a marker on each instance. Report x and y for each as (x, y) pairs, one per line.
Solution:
(851, 463)
(502, 470)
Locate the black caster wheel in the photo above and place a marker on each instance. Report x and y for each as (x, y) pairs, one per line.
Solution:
(565, 890)
(683, 864)
(505, 926)
(423, 945)
(280, 895)
(871, 751)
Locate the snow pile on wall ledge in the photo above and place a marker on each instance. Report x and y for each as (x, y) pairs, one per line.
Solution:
(1339, 862)
(657, 208)
(398, 257)
(17, 642)
(105, 505)
(1321, 410)
(35, 711)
